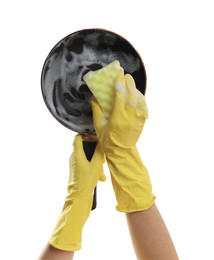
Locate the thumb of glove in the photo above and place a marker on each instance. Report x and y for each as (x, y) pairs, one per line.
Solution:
(102, 177)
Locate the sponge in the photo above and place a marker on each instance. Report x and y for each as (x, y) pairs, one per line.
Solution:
(101, 83)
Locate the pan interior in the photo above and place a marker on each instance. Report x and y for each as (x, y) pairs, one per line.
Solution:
(64, 91)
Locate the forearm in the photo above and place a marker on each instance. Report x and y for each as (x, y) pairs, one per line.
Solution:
(150, 237)
(130, 180)
(51, 253)
(66, 238)
(67, 234)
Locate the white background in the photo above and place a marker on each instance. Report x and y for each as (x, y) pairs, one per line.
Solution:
(176, 42)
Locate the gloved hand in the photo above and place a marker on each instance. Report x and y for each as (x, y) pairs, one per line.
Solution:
(83, 178)
(118, 137)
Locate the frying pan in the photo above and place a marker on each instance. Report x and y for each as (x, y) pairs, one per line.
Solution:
(65, 93)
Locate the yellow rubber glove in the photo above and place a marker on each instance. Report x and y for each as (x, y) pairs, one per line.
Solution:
(83, 178)
(118, 139)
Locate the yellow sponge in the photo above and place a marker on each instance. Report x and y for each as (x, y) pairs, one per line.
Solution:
(101, 84)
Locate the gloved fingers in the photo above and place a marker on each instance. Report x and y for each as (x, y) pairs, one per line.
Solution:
(103, 160)
(135, 98)
(79, 156)
(102, 177)
(132, 92)
(97, 114)
(77, 140)
(84, 174)
(78, 151)
(77, 146)
(142, 107)
(130, 80)
(98, 156)
(120, 86)
(120, 97)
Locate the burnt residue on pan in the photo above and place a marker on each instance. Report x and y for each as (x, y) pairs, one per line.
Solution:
(65, 93)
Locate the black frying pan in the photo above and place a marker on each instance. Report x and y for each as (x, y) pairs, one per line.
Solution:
(65, 93)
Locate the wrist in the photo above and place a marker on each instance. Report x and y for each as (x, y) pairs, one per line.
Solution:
(125, 161)
(114, 152)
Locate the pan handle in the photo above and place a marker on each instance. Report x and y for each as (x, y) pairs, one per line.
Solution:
(89, 148)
